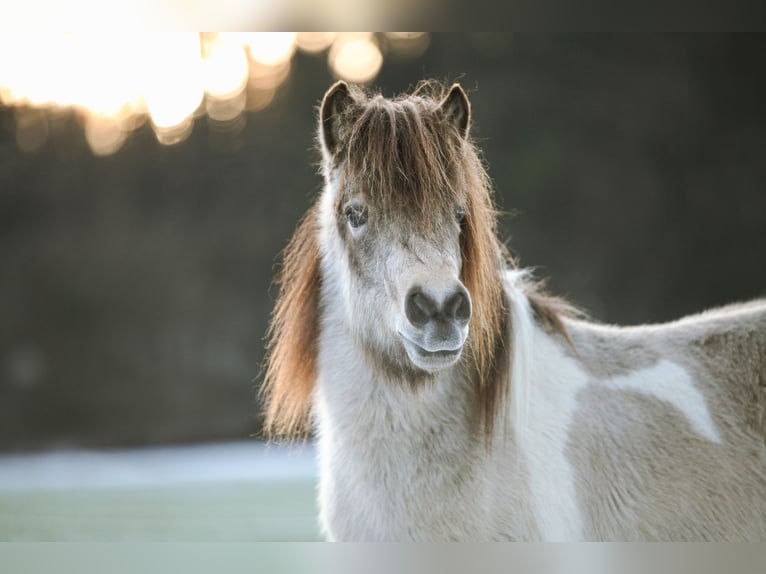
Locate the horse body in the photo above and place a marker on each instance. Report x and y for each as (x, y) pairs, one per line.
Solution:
(645, 435)
(452, 400)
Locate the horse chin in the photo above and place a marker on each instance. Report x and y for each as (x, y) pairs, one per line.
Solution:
(431, 361)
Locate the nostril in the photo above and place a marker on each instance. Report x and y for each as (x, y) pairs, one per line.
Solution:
(458, 306)
(419, 307)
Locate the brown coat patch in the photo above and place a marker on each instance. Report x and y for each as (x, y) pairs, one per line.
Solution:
(635, 477)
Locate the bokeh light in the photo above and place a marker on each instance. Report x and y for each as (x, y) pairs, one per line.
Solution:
(226, 67)
(270, 48)
(314, 42)
(407, 44)
(114, 82)
(105, 135)
(174, 85)
(356, 58)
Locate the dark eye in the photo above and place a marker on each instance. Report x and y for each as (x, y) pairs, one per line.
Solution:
(357, 216)
(459, 215)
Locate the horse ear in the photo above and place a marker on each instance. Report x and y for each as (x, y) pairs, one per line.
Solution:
(335, 102)
(457, 109)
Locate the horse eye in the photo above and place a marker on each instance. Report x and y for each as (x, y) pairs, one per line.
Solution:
(357, 216)
(459, 215)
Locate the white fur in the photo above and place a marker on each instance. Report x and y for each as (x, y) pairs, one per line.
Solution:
(522, 327)
(671, 383)
(553, 381)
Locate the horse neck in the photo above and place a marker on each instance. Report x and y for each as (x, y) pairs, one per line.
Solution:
(360, 398)
(424, 440)
(359, 392)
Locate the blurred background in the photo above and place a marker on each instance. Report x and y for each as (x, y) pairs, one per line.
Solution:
(148, 183)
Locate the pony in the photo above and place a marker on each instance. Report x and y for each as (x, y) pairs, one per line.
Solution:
(453, 399)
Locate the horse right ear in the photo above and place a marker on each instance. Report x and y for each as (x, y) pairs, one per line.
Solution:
(335, 102)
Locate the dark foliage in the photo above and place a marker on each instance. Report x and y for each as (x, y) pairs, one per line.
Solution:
(135, 289)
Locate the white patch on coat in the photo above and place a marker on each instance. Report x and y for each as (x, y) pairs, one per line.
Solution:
(554, 381)
(545, 385)
(521, 338)
(671, 383)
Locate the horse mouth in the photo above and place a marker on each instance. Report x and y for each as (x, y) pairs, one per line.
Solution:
(430, 360)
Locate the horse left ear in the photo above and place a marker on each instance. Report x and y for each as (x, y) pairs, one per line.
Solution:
(457, 109)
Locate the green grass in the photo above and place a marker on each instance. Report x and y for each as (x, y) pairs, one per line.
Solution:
(241, 511)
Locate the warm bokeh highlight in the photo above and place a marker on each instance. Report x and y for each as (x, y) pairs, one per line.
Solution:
(116, 81)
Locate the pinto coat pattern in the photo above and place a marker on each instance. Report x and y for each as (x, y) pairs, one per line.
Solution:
(453, 400)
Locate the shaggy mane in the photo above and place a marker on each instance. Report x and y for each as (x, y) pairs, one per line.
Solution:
(291, 353)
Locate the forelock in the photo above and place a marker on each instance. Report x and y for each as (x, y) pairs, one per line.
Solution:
(403, 154)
